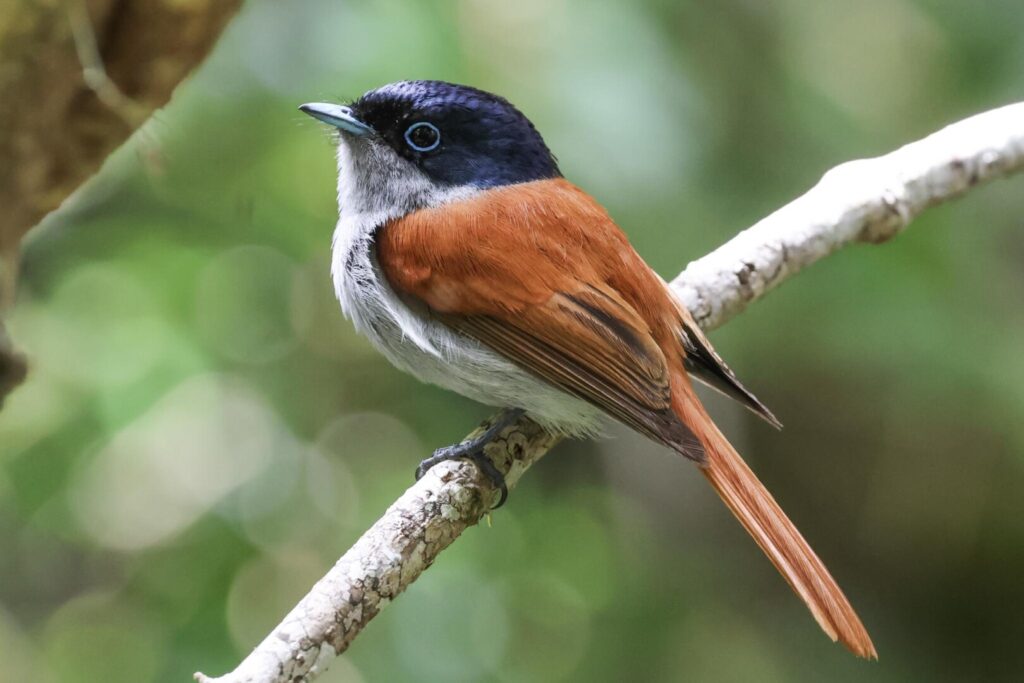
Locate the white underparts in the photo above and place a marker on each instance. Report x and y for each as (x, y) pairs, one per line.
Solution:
(374, 186)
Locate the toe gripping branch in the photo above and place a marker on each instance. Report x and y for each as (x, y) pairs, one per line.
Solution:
(474, 450)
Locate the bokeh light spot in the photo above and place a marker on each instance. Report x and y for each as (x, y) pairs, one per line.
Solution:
(159, 474)
(243, 304)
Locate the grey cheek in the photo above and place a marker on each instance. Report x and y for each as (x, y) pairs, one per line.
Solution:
(380, 181)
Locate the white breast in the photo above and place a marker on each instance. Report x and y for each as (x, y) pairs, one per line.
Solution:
(374, 186)
(434, 353)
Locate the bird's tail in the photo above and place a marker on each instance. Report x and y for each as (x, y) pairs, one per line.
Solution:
(765, 521)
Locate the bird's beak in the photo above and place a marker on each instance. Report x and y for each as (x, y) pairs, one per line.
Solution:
(339, 116)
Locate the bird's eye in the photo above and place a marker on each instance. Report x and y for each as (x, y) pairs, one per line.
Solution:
(423, 136)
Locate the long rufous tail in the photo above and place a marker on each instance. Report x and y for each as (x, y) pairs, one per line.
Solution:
(762, 517)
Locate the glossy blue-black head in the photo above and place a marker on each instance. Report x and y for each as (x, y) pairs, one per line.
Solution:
(456, 135)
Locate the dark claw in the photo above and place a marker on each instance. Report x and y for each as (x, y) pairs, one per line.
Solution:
(440, 455)
(474, 450)
(471, 451)
(492, 473)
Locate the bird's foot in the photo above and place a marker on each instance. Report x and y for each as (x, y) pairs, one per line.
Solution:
(474, 450)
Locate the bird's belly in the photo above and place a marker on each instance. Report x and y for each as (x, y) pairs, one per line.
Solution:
(436, 354)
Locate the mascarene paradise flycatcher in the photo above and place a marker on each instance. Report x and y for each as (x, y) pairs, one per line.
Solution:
(470, 262)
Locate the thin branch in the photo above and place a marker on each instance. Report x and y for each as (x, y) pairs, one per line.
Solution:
(94, 73)
(869, 200)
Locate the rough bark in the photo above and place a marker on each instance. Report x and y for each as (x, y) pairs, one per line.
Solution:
(78, 77)
(868, 200)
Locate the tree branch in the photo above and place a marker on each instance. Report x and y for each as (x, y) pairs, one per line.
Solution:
(868, 200)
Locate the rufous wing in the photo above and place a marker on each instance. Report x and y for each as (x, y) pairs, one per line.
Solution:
(593, 345)
(534, 272)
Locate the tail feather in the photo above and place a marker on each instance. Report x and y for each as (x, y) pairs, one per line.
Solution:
(769, 526)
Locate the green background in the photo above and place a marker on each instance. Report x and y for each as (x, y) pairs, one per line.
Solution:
(203, 433)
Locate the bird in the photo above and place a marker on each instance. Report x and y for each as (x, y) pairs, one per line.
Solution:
(472, 263)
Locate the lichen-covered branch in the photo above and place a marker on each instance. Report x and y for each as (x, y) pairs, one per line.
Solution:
(861, 201)
(78, 77)
(867, 200)
(426, 519)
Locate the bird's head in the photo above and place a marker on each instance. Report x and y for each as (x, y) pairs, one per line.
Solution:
(404, 145)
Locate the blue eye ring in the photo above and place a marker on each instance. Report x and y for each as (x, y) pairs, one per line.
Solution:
(426, 126)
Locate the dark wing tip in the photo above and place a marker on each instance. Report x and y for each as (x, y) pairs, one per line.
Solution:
(761, 410)
(709, 369)
(673, 433)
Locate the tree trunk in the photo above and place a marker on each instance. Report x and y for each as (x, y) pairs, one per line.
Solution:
(77, 77)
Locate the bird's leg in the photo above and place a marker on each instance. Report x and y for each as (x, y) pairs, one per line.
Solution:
(474, 450)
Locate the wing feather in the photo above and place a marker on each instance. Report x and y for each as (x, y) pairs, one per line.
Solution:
(704, 363)
(617, 367)
(542, 275)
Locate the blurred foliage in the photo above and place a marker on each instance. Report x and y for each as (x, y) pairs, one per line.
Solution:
(202, 433)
